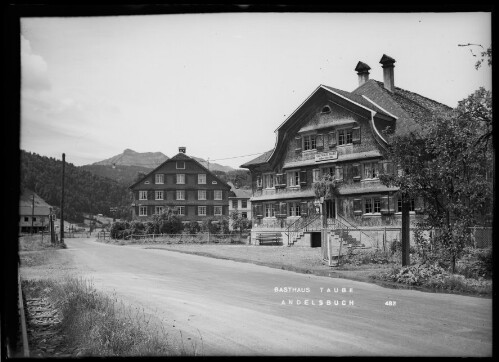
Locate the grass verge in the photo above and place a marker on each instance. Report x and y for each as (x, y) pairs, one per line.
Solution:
(94, 324)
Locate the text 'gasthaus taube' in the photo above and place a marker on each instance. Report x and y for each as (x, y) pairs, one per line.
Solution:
(307, 290)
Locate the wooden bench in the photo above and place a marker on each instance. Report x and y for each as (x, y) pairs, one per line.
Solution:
(273, 238)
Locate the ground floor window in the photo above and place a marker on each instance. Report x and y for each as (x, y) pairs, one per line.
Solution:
(244, 215)
(372, 205)
(202, 210)
(269, 210)
(399, 205)
(180, 210)
(294, 209)
(142, 210)
(217, 210)
(158, 210)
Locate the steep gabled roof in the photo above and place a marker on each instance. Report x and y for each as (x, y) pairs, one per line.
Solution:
(26, 199)
(182, 157)
(409, 107)
(264, 157)
(357, 99)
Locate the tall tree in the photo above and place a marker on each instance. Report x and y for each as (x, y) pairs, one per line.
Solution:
(448, 164)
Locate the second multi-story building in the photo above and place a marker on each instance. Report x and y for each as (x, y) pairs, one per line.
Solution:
(184, 185)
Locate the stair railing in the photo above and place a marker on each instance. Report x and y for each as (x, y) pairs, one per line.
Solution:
(298, 226)
(343, 224)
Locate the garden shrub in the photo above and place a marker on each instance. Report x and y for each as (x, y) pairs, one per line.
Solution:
(193, 227)
(361, 257)
(476, 263)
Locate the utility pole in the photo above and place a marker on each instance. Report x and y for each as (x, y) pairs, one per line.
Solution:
(62, 200)
(406, 235)
(32, 212)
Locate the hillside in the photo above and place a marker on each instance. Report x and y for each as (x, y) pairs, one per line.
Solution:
(84, 192)
(125, 175)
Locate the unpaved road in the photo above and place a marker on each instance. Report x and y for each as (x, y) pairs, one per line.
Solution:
(231, 308)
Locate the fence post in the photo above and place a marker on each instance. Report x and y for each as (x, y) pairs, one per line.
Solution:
(384, 240)
(474, 237)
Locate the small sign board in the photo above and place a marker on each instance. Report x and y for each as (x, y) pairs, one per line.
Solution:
(326, 156)
(213, 182)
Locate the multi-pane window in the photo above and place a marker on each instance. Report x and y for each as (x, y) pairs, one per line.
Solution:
(181, 210)
(348, 134)
(268, 180)
(181, 178)
(294, 178)
(294, 209)
(309, 142)
(399, 205)
(142, 195)
(26, 218)
(217, 210)
(158, 210)
(234, 204)
(202, 210)
(201, 194)
(269, 210)
(371, 170)
(372, 205)
(142, 210)
(160, 178)
(202, 179)
(341, 137)
(244, 204)
(217, 195)
(180, 195)
(244, 214)
(344, 137)
(328, 171)
(180, 165)
(368, 206)
(316, 175)
(158, 195)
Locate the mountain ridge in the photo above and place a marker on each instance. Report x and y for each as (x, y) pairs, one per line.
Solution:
(151, 160)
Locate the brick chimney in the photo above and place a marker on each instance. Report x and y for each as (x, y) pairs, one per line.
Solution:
(362, 70)
(181, 150)
(388, 77)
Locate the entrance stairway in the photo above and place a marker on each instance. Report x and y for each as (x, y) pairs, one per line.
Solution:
(338, 229)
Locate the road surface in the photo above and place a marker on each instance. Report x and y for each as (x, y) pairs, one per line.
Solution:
(232, 308)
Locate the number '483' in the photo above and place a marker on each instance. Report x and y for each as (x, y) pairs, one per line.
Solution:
(391, 303)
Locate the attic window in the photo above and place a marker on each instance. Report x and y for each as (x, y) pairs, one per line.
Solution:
(326, 109)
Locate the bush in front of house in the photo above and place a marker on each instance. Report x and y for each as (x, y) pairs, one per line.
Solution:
(435, 277)
(118, 229)
(362, 257)
(475, 263)
(192, 227)
(215, 225)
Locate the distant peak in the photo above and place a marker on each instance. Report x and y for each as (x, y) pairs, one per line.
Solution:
(129, 151)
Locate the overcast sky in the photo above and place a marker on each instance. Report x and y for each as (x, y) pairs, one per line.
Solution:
(220, 84)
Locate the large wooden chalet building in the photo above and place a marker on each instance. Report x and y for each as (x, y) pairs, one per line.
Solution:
(184, 185)
(338, 133)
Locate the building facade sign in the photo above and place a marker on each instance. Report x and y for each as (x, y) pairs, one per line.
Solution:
(326, 156)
